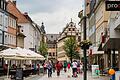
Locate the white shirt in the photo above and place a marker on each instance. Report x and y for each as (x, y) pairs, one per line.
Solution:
(74, 65)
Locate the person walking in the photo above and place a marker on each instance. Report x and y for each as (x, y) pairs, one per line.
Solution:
(45, 67)
(68, 67)
(53, 64)
(78, 66)
(58, 68)
(49, 67)
(74, 68)
(65, 66)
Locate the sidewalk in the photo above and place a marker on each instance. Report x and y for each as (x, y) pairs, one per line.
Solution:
(64, 75)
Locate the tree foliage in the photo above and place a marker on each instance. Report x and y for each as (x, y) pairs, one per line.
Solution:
(43, 48)
(70, 46)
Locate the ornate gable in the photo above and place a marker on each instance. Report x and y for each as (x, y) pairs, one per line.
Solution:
(69, 30)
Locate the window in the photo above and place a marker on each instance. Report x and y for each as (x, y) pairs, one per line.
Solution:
(1, 19)
(66, 34)
(69, 29)
(53, 46)
(51, 36)
(2, 4)
(53, 54)
(21, 30)
(73, 29)
(1, 36)
(50, 54)
(6, 22)
(54, 41)
(5, 38)
(8, 39)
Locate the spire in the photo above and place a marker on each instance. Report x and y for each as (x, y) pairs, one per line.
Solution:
(43, 27)
(71, 19)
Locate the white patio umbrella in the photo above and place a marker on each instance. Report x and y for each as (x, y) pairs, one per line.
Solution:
(22, 52)
(28, 54)
(9, 54)
(38, 56)
(25, 53)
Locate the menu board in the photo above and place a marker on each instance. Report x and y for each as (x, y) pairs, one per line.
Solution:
(19, 74)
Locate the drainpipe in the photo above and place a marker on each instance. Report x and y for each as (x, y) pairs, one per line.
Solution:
(3, 38)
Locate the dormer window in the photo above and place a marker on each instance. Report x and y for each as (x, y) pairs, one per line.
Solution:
(21, 30)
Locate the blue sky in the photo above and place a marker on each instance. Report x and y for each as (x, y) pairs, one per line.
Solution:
(54, 13)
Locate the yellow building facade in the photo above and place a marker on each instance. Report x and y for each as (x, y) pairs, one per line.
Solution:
(69, 31)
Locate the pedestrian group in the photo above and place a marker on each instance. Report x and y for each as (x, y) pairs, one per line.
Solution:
(50, 67)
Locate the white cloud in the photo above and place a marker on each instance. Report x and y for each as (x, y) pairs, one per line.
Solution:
(55, 19)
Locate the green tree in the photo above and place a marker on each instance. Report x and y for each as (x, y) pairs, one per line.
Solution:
(43, 48)
(70, 46)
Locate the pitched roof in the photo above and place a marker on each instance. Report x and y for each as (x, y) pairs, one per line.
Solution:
(11, 7)
(52, 37)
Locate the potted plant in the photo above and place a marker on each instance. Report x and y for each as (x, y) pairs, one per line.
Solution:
(85, 44)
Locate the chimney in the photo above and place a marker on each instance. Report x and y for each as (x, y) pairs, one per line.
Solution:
(14, 2)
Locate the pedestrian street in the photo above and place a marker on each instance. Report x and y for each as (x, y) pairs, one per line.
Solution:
(64, 76)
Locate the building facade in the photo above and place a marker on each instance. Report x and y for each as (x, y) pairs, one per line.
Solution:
(29, 30)
(69, 31)
(8, 28)
(104, 34)
(52, 46)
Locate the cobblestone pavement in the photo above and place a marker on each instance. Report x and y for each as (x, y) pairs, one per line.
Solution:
(64, 76)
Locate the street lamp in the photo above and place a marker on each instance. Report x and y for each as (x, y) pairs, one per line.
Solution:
(84, 38)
